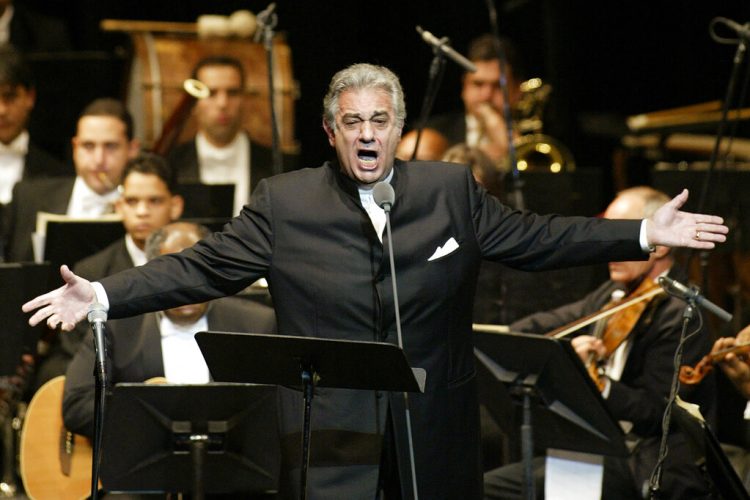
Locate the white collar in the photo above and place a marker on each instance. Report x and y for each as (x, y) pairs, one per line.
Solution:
(137, 255)
(18, 146)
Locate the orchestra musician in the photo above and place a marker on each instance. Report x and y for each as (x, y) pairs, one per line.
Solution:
(481, 124)
(636, 377)
(317, 235)
(222, 152)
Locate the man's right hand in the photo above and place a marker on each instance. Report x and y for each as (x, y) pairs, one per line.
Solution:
(65, 306)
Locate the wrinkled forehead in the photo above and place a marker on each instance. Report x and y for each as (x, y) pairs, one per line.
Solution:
(365, 103)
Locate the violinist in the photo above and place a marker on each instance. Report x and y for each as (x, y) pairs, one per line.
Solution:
(735, 363)
(635, 378)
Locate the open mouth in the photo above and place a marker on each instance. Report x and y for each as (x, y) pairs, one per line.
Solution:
(367, 157)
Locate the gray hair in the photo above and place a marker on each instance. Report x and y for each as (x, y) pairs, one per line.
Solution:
(156, 239)
(363, 76)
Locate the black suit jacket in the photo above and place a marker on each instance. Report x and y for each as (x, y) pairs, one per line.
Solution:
(31, 31)
(640, 394)
(134, 347)
(329, 277)
(29, 197)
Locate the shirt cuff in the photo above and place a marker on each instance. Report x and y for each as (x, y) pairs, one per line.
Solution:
(643, 239)
(101, 295)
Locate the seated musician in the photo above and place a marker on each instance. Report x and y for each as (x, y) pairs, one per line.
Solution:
(158, 344)
(731, 353)
(636, 377)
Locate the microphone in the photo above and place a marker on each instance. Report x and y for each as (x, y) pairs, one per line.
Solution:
(691, 294)
(97, 316)
(384, 196)
(443, 46)
(263, 19)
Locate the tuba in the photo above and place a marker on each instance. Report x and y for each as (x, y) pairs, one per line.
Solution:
(535, 151)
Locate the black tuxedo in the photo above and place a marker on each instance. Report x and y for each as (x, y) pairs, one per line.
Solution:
(640, 394)
(29, 197)
(134, 345)
(329, 277)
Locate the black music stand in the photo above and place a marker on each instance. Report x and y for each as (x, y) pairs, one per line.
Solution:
(213, 201)
(561, 403)
(19, 283)
(307, 362)
(702, 440)
(213, 438)
(69, 241)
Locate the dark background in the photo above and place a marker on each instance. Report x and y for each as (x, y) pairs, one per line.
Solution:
(605, 60)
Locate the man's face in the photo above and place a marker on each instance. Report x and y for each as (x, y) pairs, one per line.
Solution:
(146, 205)
(483, 86)
(100, 151)
(366, 134)
(220, 115)
(16, 103)
(628, 207)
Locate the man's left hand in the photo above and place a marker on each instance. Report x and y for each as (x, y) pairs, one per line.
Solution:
(671, 227)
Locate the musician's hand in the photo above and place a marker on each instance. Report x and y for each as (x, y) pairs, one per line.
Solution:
(65, 306)
(671, 227)
(735, 365)
(585, 345)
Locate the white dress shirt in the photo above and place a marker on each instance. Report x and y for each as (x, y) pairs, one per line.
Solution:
(137, 255)
(12, 159)
(227, 165)
(5, 25)
(85, 202)
(183, 360)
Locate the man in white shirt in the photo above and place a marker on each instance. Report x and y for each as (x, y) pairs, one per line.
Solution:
(159, 344)
(19, 157)
(102, 146)
(222, 152)
(148, 202)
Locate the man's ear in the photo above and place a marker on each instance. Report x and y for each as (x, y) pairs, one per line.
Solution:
(329, 133)
(118, 206)
(134, 148)
(178, 205)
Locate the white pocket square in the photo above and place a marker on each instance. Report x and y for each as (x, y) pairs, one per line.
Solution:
(449, 247)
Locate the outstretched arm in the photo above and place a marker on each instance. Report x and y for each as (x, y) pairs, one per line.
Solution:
(65, 306)
(671, 227)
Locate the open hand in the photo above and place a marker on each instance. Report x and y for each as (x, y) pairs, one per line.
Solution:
(65, 306)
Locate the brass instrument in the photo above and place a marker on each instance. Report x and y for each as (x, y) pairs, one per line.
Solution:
(535, 151)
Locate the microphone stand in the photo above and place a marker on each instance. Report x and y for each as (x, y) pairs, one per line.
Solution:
(739, 56)
(268, 21)
(97, 318)
(654, 482)
(515, 194)
(435, 77)
(387, 209)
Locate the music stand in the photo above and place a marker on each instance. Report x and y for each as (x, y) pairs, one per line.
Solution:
(216, 438)
(702, 440)
(214, 201)
(19, 282)
(561, 404)
(69, 241)
(307, 362)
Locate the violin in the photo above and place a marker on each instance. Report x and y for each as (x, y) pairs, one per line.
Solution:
(691, 375)
(623, 314)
